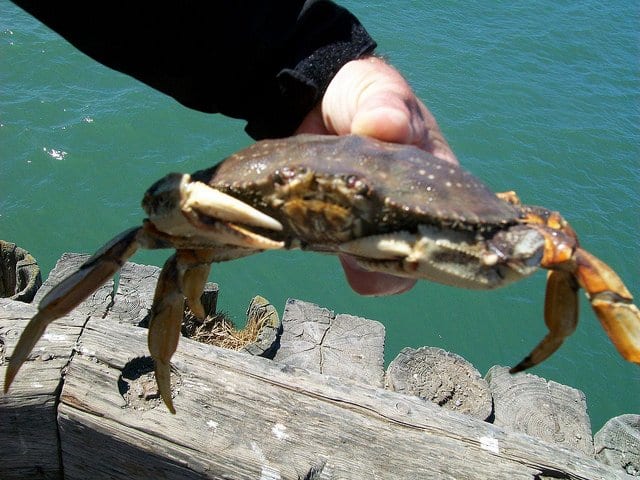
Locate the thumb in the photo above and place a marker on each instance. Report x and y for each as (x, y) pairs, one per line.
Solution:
(366, 98)
(369, 97)
(384, 116)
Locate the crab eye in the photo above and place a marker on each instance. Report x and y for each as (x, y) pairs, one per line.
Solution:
(354, 183)
(283, 175)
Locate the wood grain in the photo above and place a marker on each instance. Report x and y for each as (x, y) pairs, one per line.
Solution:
(545, 409)
(441, 377)
(246, 417)
(617, 443)
(342, 345)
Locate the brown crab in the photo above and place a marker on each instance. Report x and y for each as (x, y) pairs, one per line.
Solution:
(393, 208)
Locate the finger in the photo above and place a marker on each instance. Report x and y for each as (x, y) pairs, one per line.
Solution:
(384, 116)
(389, 110)
(369, 97)
(369, 283)
(314, 123)
(431, 139)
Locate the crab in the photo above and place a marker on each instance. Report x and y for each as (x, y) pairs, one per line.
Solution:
(393, 208)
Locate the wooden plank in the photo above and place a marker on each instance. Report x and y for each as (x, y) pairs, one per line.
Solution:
(28, 431)
(545, 409)
(238, 416)
(246, 417)
(134, 295)
(345, 346)
(262, 312)
(30, 446)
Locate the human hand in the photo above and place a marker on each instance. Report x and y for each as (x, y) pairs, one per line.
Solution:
(369, 97)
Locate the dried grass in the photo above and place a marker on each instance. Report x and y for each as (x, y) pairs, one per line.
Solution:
(220, 331)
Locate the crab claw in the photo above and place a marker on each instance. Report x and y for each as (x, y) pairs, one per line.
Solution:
(180, 206)
(203, 199)
(71, 292)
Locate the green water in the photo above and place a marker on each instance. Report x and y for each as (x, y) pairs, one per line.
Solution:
(536, 97)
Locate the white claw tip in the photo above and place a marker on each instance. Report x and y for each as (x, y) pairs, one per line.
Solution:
(489, 259)
(217, 204)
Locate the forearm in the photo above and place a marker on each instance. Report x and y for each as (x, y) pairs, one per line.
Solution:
(268, 62)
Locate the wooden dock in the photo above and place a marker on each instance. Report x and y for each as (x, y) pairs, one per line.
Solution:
(85, 405)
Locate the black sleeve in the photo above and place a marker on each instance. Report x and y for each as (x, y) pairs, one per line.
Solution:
(268, 62)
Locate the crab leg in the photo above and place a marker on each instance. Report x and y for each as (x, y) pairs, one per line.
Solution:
(183, 273)
(571, 268)
(71, 292)
(164, 326)
(612, 303)
(194, 280)
(560, 316)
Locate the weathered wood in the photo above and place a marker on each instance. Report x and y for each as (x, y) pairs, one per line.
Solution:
(261, 312)
(28, 412)
(19, 273)
(238, 416)
(441, 377)
(29, 447)
(545, 409)
(209, 298)
(134, 295)
(246, 417)
(320, 341)
(617, 443)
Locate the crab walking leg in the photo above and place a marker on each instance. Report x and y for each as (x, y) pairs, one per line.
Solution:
(560, 316)
(71, 292)
(164, 326)
(194, 280)
(612, 303)
(510, 196)
(183, 274)
(197, 267)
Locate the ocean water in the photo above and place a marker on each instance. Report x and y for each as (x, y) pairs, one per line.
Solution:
(534, 96)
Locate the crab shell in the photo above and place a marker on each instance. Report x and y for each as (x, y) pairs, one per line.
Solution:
(393, 208)
(365, 186)
(376, 201)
